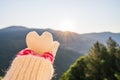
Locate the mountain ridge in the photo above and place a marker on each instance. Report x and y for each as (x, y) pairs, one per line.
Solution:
(69, 40)
(24, 27)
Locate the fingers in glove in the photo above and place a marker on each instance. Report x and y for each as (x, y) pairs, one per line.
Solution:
(54, 47)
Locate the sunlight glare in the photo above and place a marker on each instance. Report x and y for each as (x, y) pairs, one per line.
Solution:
(67, 26)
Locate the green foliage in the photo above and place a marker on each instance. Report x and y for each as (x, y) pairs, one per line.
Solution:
(101, 63)
(77, 71)
(0, 77)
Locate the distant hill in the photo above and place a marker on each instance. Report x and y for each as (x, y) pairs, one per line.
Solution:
(77, 42)
(73, 45)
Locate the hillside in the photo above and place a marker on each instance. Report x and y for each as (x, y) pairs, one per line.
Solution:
(69, 40)
(12, 40)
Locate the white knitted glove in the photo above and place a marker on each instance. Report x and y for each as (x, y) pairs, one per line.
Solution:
(33, 63)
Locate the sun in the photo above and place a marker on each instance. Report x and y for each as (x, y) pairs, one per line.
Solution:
(67, 25)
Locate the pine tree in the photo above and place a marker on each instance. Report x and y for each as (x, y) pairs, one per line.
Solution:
(96, 62)
(112, 50)
(101, 63)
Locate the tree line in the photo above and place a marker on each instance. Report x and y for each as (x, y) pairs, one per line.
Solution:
(101, 63)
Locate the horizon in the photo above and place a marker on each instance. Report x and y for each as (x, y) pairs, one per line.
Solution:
(58, 30)
(78, 16)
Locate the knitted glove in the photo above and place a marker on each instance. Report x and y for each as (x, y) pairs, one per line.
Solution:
(34, 62)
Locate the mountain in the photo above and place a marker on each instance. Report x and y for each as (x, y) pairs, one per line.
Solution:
(72, 45)
(69, 40)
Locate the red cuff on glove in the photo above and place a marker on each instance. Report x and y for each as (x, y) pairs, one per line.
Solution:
(46, 55)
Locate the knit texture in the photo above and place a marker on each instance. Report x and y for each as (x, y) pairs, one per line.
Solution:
(30, 67)
(46, 55)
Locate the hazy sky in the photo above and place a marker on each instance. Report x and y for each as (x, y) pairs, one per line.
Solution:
(82, 16)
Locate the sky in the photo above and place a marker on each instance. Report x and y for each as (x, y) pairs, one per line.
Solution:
(81, 16)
